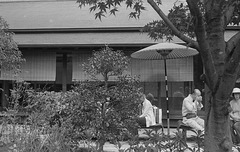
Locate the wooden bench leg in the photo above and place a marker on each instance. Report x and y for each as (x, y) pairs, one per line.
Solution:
(184, 137)
(184, 133)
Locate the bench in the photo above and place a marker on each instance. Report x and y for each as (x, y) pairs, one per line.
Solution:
(184, 129)
(158, 116)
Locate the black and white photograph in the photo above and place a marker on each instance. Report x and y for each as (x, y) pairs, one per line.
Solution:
(119, 75)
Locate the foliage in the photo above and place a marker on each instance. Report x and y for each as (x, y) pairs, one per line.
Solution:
(181, 18)
(10, 56)
(92, 110)
(60, 122)
(157, 141)
(106, 107)
(101, 7)
(107, 112)
(207, 20)
(25, 138)
(19, 95)
(179, 15)
(109, 109)
(235, 18)
(106, 62)
(33, 127)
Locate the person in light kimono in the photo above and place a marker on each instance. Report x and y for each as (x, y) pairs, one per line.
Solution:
(147, 117)
(191, 104)
(235, 116)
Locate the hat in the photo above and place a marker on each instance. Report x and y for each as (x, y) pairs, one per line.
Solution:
(236, 90)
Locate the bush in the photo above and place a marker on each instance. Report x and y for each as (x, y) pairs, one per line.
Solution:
(109, 109)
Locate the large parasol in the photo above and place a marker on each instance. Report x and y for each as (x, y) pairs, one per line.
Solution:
(164, 51)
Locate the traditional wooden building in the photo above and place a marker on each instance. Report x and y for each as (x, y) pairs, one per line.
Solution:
(56, 36)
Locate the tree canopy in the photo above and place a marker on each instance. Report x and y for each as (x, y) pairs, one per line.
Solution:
(179, 15)
(106, 63)
(10, 55)
(108, 108)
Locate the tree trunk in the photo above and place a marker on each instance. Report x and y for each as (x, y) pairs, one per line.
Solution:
(217, 129)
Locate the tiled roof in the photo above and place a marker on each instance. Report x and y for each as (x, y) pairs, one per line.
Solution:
(67, 14)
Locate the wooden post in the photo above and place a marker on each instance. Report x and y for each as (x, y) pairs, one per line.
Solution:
(64, 73)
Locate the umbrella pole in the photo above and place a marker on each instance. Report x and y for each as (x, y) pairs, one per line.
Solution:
(166, 85)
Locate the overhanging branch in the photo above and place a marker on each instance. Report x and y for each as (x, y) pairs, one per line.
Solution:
(176, 32)
(232, 42)
(233, 49)
(232, 66)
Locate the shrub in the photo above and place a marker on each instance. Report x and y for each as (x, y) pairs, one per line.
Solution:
(109, 109)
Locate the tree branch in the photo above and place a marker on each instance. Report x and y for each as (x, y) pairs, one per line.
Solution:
(232, 42)
(233, 54)
(232, 66)
(206, 55)
(176, 32)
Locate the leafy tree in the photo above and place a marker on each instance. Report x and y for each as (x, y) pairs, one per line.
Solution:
(10, 56)
(206, 20)
(108, 108)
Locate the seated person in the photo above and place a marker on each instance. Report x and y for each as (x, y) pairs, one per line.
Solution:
(147, 117)
(235, 115)
(191, 104)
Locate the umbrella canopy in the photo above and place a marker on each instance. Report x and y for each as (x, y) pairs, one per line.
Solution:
(164, 50)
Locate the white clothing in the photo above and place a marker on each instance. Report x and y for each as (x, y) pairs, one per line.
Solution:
(147, 112)
(197, 123)
(235, 113)
(190, 106)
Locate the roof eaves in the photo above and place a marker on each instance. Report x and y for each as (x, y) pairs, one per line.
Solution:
(82, 45)
(233, 27)
(76, 30)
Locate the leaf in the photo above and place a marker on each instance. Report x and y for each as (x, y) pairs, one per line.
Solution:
(133, 15)
(102, 6)
(93, 8)
(138, 7)
(113, 11)
(159, 2)
(109, 3)
(117, 2)
(129, 3)
(99, 15)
